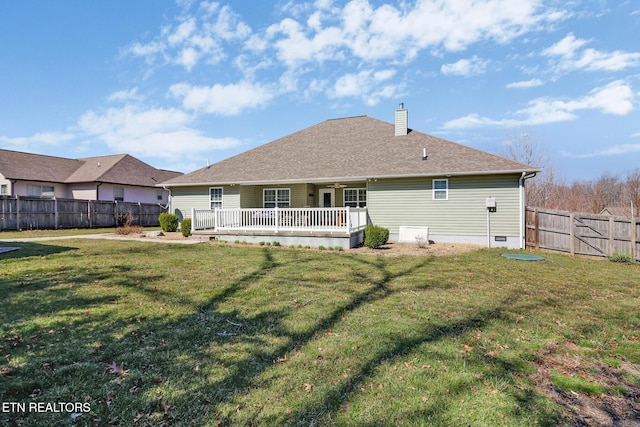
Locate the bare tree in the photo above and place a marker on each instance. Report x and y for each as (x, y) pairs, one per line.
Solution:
(523, 147)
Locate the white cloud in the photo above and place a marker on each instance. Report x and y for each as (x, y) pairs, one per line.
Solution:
(149, 132)
(615, 150)
(47, 138)
(226, 100)
(125, 95)
(366, 85)
(615, 98)
(568, 56)
(525, 84)
(193, 39)
(465, 67)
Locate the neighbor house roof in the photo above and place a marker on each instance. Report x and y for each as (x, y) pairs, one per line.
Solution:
(115, 169)
(350, 149)
(617, 211)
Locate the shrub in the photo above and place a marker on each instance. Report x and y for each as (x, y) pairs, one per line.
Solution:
(168, 222)
(338, 248)
(621, 258)
(321, 248)
(127, 226)
(185, 227)
(261, 243)
(276, 243)
(375, 236)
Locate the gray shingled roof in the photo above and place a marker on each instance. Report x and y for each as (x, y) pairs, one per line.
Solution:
(115, 169)
(350, 149)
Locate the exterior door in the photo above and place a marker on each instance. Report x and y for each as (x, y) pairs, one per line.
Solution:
(327, 198)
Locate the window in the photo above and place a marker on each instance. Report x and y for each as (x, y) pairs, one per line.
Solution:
(3, 189)
(355, 197)
(40, 191)
(440, 189)
(280, 197)
(215, 197)
(159, 195)
(118, 194)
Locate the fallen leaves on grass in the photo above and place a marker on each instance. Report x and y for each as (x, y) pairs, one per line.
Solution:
(308, 387)
(115, 369)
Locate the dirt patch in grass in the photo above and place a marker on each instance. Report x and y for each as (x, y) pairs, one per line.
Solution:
(411, 249)
(620, 406)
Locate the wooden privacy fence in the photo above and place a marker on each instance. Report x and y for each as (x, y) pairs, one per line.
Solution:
(33, 213)
(580, 233)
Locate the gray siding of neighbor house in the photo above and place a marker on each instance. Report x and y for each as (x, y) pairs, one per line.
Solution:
(397, 202)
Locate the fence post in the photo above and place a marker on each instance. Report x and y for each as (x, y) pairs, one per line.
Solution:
(611, 236)
(634, 237)
(572, 243)
(17, 212)
(536, 230)
(55, 213)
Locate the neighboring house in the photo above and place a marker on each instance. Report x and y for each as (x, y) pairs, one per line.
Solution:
(618, 211)
(119, 177)
(406, 180)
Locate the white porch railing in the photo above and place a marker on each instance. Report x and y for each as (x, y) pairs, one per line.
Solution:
(328, 220)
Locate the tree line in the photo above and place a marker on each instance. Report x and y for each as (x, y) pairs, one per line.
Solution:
(548, 190)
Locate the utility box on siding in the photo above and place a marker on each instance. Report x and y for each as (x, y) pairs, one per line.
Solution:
(413, 234)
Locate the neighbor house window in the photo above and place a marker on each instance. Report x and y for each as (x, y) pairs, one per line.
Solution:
(3, 189)
(280, 197)
(159, 195)
(440, 189)
(355, 197)
(215, 197)
(118, 194)
(40, 190)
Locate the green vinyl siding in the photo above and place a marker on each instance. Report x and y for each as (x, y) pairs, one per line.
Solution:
(183, 199)
(392, 203)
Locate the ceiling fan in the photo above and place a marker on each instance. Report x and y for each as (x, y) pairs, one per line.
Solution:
(336, 185)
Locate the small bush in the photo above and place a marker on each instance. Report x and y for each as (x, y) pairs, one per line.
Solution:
(276, 243)
(261, 243)
(237, 242)
(185, 227)
(621, 258)
(375, 236)
(127, 225)
(168, 222)
(268, 243)
(321, 248)
(338, 248)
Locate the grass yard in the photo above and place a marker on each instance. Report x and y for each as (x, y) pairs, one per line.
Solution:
(163, 334)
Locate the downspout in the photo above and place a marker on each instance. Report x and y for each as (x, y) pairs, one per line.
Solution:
(168, 199)
(521, 188)
(523, 177)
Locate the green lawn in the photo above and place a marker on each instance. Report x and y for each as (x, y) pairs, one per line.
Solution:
(162, 334)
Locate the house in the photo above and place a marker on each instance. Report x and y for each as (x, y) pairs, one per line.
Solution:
(334, 177)
(626, 211)
(118, 177)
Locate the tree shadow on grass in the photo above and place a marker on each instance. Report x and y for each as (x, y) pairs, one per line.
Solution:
(26, 250)
(198, 364)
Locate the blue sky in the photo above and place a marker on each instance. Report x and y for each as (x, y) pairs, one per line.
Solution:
(180, 83)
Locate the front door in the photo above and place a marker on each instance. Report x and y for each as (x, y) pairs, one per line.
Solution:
(327, 198)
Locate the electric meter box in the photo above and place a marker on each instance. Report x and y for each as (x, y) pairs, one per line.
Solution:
(491, 204)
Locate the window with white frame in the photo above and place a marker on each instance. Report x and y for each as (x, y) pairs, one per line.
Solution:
(440, 189)
(118, 194)
(40, 190)
(355, 197)
(215, 197)
(280, 197)
(3, 189)
(159, 195)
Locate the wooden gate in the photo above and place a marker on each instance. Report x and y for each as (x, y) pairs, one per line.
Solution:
(580, 233)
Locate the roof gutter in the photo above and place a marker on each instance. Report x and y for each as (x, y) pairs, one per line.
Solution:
(531, 172)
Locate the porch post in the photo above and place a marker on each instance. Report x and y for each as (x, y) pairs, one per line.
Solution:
(277, 215)
(193, 219)
(215, 218)
(348, 220)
